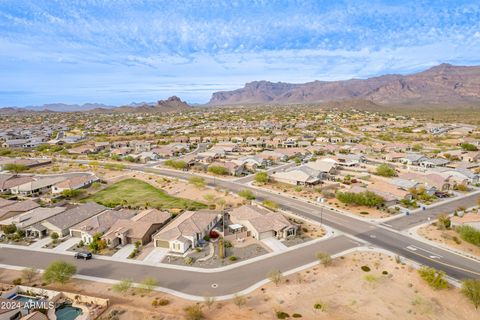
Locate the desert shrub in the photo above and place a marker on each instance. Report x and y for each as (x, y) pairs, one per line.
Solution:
(188, 260)
(261, 177)
(17, 281)
(176, 164)
(435, 278)
(296, 315)
(194, 312)
(232, 258)
(282, 315)
(366, 198)
(385, 272)
(247, 194)
(471, 289)
(365, 268)
(218, 170)
(469, 234)
(385, 170)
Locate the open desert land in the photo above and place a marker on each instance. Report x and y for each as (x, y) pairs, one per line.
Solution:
(449, 238)
(390, 290)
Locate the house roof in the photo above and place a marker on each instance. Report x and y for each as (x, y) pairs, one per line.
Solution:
(187, 224)
(33, 216)
(76, 215)
(261, 219)
(295, 175)
(39, 184)
(8, 181)
(323, 165)
(76, 181)
(103, 221)
(20, 206)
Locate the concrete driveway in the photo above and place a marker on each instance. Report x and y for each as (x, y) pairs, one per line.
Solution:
(124, 252)
(274, 244)
(156, 255)
(67, 244)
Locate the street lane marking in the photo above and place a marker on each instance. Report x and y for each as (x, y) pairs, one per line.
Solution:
(432, 254)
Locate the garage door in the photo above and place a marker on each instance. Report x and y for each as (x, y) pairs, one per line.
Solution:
(162, 244)
(77, 234)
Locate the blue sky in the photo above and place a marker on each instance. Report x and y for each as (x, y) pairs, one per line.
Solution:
(115, 52)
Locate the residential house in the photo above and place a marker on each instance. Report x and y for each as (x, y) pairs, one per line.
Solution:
(16, 207)
(99, 224)
(30, 221)
(296, 176)
(36, 187)
(186, 231)
(8, 181)
(140, 228)
(74, 183)
(62, 223)
(262, 223)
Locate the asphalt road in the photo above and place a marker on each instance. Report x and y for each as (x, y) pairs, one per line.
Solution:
(419, 217)
(189, 282)
(454, 265)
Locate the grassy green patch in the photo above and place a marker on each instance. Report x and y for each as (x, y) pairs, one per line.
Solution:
(136, 194)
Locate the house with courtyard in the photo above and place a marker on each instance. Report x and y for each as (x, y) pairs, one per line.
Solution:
(74, 183)
(187, 230)
(62, 223)
(262, 223)
(99, 224)
(139, 228)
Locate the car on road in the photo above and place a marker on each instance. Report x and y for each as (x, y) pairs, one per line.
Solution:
(83, 255)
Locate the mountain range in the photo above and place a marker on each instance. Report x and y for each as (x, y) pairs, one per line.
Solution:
(444, 84)
(171, 104)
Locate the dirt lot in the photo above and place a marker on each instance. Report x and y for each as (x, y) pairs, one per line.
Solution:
(185, 190)
(448, 237)
(310, 193)
(343, 290)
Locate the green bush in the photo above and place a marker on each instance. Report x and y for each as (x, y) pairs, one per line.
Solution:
(365, 268)
(232, 258)
(247, 194)
(385, 170)
(435, 278)
(469, 234)
(222, 171)
(282, 315)
(261, 177)
(366, 198)
(296, 315)
(176, 164)
(471, 289)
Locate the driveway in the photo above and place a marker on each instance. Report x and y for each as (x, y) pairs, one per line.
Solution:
(156, 255)
(274, 244)
(67, 244)
(124, 252)
(41, 243)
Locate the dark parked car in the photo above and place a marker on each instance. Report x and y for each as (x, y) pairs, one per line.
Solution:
(83, 255)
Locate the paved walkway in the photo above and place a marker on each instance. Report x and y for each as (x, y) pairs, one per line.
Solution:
(124, 252)
(156, 255)
(41, 243)
(275, 245)
(67, 244)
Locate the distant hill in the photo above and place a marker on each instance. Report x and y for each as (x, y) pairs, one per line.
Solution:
(173, 103)
(444, 84)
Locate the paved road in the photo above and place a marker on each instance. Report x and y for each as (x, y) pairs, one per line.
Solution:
(453, 264)
(279, 168)
(189, 282)
(419, 217)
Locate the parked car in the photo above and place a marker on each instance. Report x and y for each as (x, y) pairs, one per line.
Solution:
(83, 255)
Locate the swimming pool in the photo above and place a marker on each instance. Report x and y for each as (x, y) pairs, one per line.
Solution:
(25, 299)
(67, 312)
